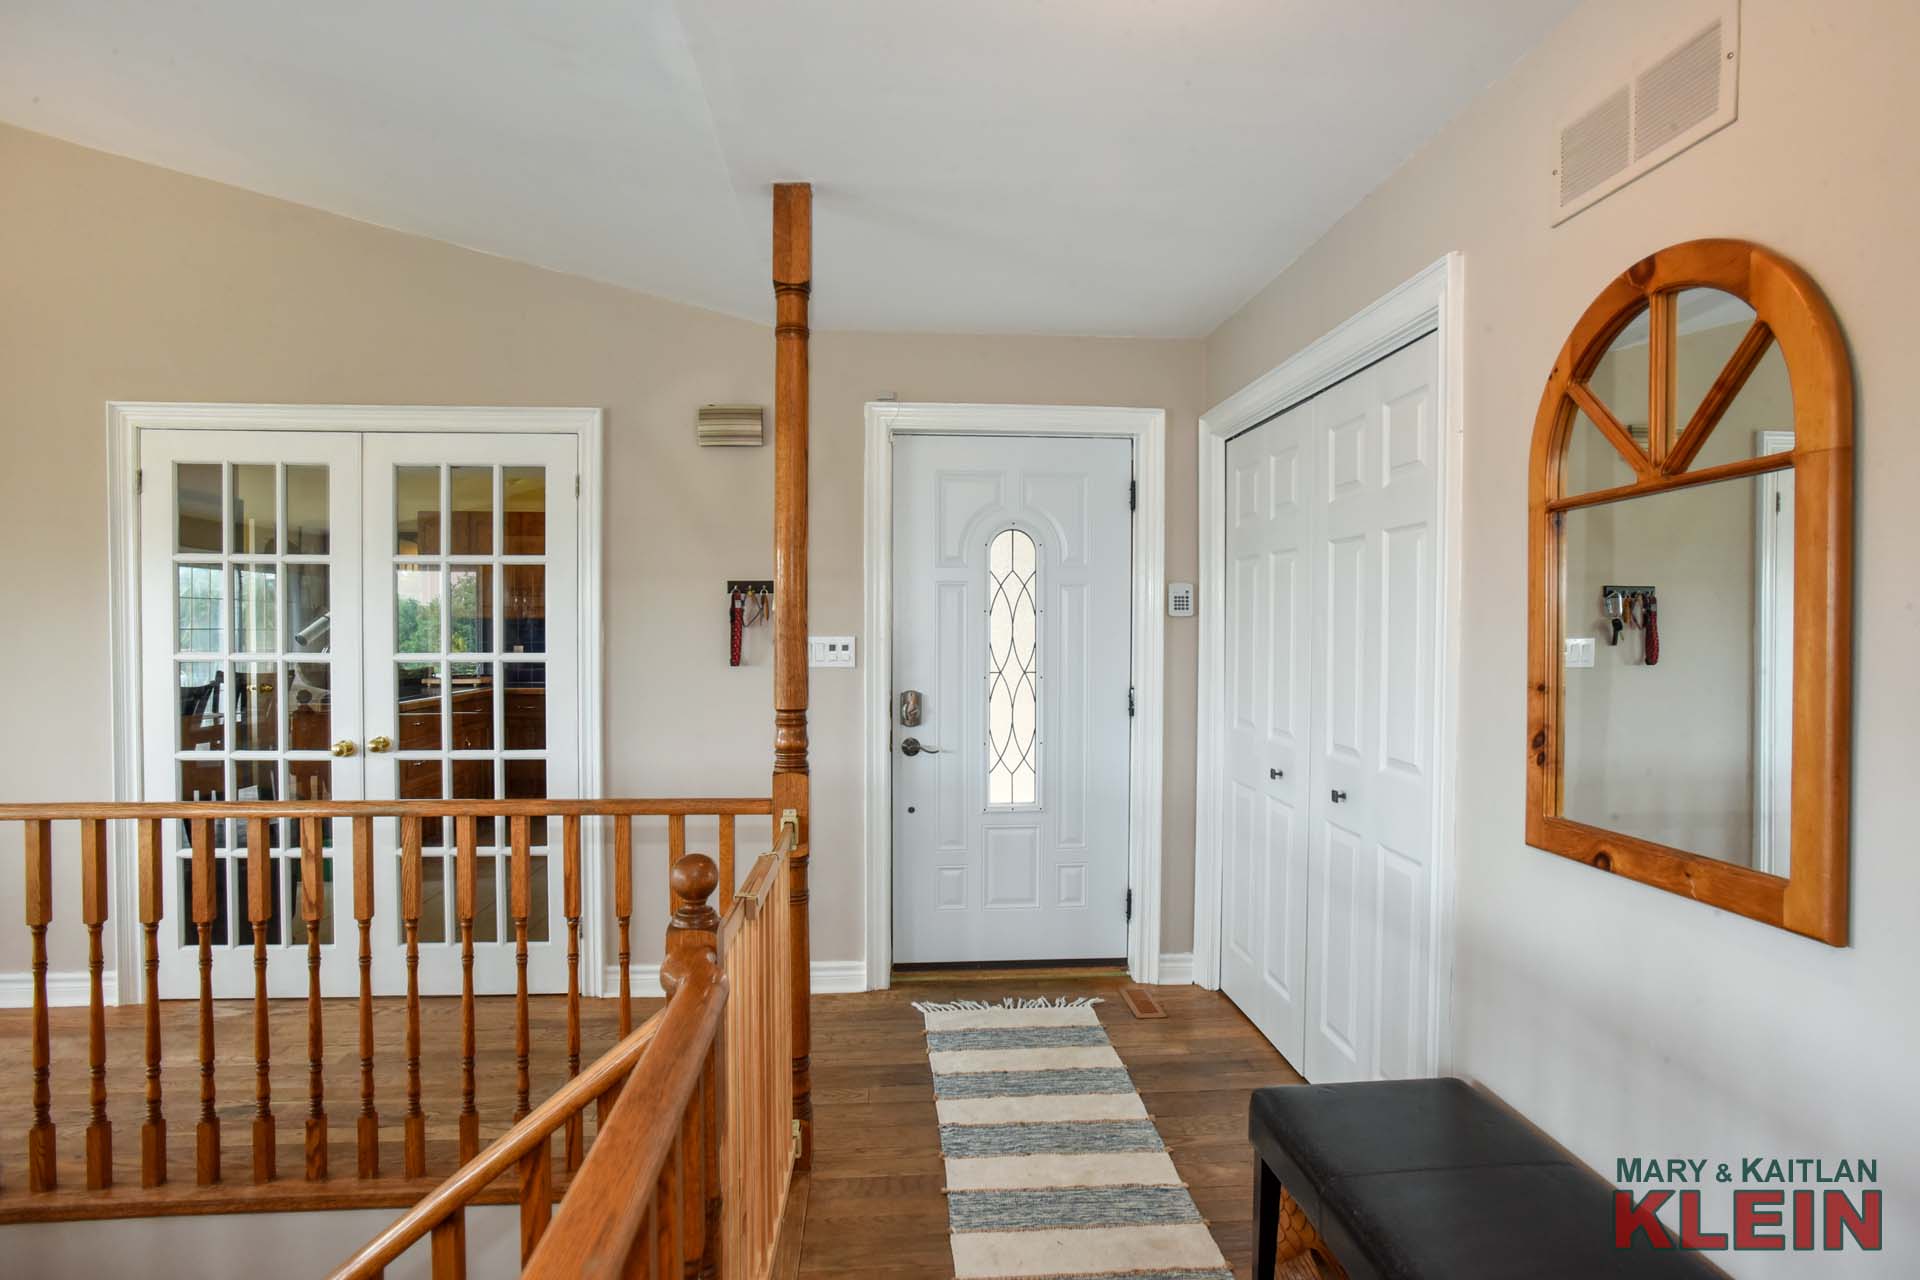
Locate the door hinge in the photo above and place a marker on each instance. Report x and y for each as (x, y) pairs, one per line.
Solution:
(140, 481)
(799, 1142)
(1133, 495)
(1129, 906)
(576, 486)
(1130, 702)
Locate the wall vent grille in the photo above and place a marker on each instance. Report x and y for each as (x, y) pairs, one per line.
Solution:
(1678, 92)
(1652, 111)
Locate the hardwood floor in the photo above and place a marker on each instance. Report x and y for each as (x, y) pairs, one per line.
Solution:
(875, 1205)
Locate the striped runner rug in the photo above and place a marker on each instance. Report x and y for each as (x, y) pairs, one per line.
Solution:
(1053, 1167)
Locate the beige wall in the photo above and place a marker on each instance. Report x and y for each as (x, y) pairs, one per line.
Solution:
(1623, 1019)
(127, 282)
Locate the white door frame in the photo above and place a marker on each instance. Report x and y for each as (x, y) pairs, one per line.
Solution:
(126, 419)
(1432, 300)
(1147, 429)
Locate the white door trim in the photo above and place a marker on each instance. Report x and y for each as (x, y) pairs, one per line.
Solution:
(1432, 300)
(1147, 429)
(126, 419)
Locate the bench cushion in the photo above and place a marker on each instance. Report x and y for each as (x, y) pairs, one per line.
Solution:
(1436, 1180)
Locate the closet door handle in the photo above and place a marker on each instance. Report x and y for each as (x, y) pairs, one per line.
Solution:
(1275, 775)
(1339, 797)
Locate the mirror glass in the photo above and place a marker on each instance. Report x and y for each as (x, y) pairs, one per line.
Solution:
(1711, 326)
(1681, 731)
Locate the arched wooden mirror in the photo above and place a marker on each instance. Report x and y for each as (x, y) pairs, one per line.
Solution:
(1691, 578)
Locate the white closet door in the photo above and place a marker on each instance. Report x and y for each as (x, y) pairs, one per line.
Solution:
(1370, 883)
(1269, 563)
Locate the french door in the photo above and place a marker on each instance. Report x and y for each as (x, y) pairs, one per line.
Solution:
(344, 615)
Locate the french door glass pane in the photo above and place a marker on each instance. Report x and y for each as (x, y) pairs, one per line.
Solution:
(525, 590)
(308, 525)
(254, 707)
(416, 608)
(416, 692)
(416, 511)
(470, 490)
(256, 512)
(255, 609)
(309, 610)
(471, 594)
(524, 494)
(525, 711)
(197, 506)
(309, 706)
(203, 707)
(197, 597)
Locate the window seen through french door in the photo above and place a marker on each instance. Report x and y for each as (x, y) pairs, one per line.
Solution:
(346, 615)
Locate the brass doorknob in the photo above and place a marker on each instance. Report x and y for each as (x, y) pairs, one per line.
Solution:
(344, 747)
(381, 743)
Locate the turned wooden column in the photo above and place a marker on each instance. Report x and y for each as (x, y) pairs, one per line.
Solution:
(792, 281)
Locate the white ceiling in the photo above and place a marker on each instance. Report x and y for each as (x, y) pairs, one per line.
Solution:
(1027, 166)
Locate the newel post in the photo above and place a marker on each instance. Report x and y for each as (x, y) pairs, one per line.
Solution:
(694, 929)
(693, 938)
(792, 283)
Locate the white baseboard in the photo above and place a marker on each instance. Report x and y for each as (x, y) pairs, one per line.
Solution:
(830, 978)
(1176, 968)
(66, 989)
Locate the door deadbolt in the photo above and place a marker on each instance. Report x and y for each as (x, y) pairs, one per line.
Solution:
(909, 708)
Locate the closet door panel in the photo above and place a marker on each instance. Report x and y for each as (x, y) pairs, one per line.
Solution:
(1268, 699)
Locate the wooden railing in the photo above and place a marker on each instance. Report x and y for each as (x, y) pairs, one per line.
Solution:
(39, 821)
(689, 1168)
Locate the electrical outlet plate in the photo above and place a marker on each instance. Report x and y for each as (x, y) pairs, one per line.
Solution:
(1580, 651)
(830, 651)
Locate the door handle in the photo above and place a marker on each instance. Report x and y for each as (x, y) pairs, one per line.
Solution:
(381, 743)
(344, 747)
(1275, 775)
(912, 747)
(1339, 797)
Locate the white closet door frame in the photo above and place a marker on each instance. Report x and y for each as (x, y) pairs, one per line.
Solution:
(1431, 301)
(127, 419)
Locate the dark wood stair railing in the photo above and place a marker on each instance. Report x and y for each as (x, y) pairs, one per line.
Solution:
(266, 1187)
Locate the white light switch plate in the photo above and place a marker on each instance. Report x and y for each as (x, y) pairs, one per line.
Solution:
(1580, 651)
(829, 651)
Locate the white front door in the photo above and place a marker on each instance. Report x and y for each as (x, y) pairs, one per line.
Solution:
(337, 616)
(1012, 574)
(1331, 707)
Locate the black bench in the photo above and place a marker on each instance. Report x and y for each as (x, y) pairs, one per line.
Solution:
(1433, 1179)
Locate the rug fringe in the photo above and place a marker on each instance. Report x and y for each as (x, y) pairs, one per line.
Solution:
(1010, 1002)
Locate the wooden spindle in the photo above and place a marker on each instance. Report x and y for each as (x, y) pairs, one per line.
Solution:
(42, 1172)
(450, 1247)
(521, 892)
(466, 871)
(416, 1121)
(93, 913)
(623, 914)
(153, 1129)
(710, 1144)
(671, 1198)
(726, 863)
(206, 1134)
(536, 1197)
(693, 1185)
(260, 913)
(369, 1123)
(792, 283)
(676, 840)
(312, 900)
(570, 893)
